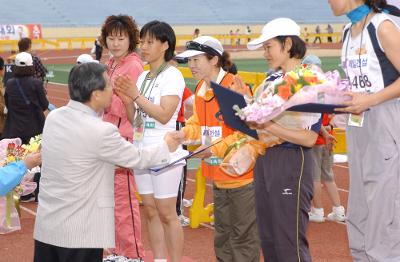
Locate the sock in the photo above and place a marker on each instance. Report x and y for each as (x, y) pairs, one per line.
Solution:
(160, 260)
(318, 211)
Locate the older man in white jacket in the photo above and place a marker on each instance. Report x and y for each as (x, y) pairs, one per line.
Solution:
(75, 216)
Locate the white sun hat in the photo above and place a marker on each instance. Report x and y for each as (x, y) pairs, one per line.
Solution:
(23, 59)
(85, 58)
(202, 45)
(274, 28)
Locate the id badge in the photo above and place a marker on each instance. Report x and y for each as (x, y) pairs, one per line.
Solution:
(210, 134)
(213, 161)
(138, 127)
(150, 125)
(356, 120)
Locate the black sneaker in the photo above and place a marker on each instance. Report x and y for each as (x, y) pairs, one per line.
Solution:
(28, 198)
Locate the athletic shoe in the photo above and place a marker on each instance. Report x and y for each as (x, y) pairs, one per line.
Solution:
(28, 198)
(184, 221)
(116, 258)
(316, 215)
(111, 258)
(337, 214)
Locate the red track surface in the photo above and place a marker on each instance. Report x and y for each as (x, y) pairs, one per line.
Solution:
(328, 241)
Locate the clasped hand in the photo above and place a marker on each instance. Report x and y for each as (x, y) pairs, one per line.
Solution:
(174, 139)
(126, 89)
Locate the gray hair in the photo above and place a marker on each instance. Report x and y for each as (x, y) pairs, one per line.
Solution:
(84, 79)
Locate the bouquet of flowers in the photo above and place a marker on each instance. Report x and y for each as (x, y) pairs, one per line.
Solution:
(11, 151)
(303, 85)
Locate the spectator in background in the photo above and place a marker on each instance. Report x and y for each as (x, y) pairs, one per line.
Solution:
(98, 48)
(196, 33)
(86, 58)
(25, 100)
(2, 102)
(318, 36)
(25, 45)
(120, 35)
(232, 34)
(237, 34)
(323, 163)
(329, 29)
(248, 33)
(306, 35)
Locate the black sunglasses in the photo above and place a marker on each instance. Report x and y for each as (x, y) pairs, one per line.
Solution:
(191, 45)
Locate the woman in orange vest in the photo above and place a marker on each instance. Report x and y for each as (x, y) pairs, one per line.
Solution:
(234, 207)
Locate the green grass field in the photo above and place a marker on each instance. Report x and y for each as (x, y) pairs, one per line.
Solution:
(61, 72)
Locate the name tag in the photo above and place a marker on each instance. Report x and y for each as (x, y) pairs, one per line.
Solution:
(356, 120)
(213, 161)
(150, 125)
(210, 134)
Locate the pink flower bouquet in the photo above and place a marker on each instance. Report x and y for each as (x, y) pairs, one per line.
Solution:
(302, 86)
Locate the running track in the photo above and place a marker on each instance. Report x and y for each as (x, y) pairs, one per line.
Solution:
(328, 241)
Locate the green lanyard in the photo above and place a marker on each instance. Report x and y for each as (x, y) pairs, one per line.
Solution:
(144, 88)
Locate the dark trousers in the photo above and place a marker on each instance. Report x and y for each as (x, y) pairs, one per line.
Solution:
(284, 190)
(235, 238)
(317, 39)
(49, 253)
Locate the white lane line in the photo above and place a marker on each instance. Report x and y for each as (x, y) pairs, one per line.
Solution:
(55, 83)
(207, 226)
(194, 181)
(28, 210)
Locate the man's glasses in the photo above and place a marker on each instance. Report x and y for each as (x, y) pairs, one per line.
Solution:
(191, 45)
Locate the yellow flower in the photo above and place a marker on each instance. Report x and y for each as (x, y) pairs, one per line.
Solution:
(308, 73)
(10, 159)
(293, 75)
(297, 87)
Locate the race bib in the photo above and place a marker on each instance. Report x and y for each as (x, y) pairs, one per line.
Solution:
(357, 68)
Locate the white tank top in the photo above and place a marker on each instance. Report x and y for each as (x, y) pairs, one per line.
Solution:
(363, 58)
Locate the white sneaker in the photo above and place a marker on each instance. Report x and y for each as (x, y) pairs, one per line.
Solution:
(111, 258)
(116, 258)
(185, 221)
(338, 214)
(187, 202)
(316, 215)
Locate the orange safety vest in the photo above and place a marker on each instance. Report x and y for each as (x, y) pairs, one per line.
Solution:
(206, 112)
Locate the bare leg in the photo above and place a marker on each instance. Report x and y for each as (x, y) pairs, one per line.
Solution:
(172, 228)
(317, 199)
(332, 192)
(154, 226)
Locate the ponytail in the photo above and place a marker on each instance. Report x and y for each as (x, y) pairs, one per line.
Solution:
(376, 5)
(225, 61)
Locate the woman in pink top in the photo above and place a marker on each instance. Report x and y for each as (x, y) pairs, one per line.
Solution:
(120, 35)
